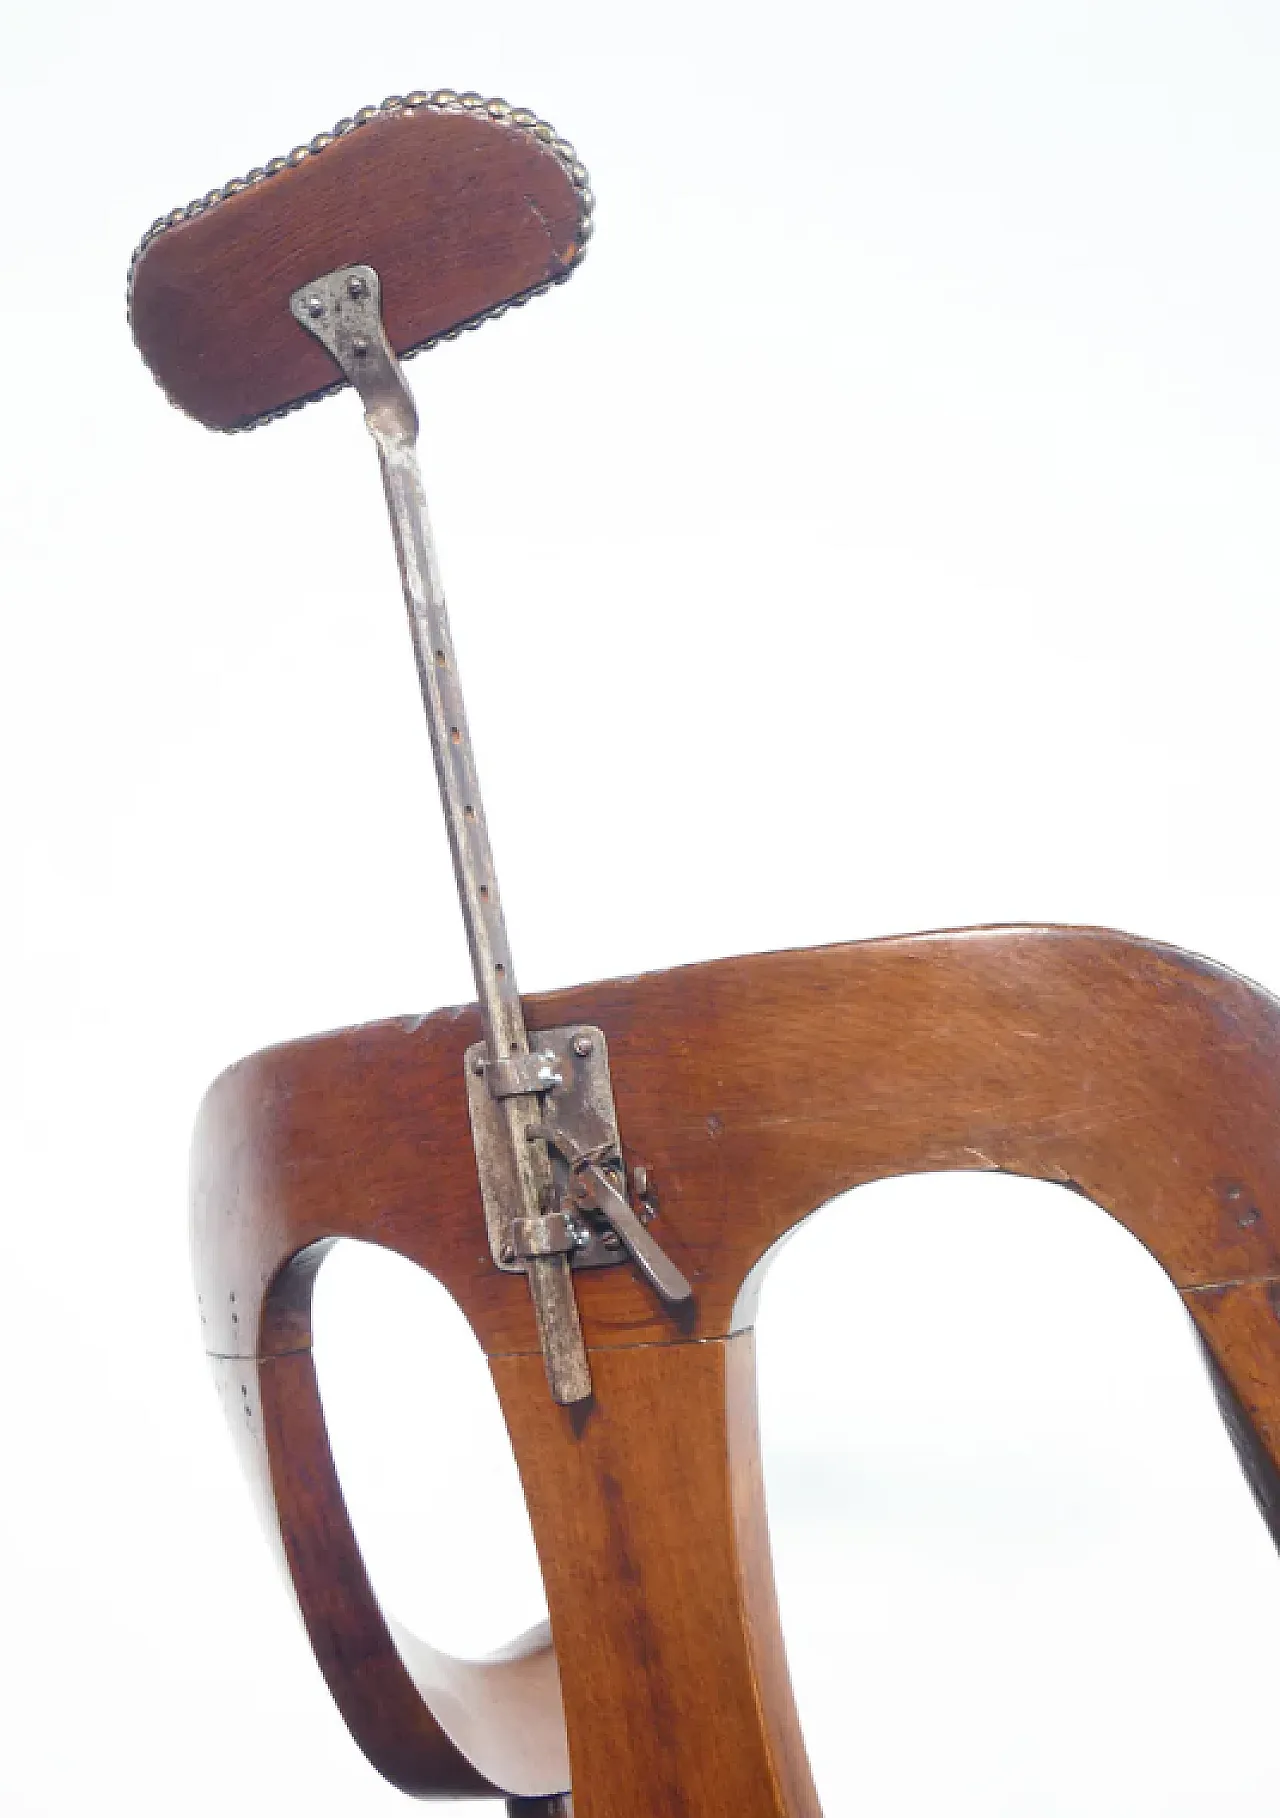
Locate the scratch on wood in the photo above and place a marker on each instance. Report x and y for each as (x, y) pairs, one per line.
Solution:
(984, 1159)
(1233, 1281)
(542, 219)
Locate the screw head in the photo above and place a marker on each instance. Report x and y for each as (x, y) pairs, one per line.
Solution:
(357, 287)
(508, 1253)
(477, 1066)
(583, 1045)
(360, 347)
(315, 307)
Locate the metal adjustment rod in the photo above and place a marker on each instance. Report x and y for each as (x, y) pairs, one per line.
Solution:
(550, 1192)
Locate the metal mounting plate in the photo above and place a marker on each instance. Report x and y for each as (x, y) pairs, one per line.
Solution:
(581, 1105)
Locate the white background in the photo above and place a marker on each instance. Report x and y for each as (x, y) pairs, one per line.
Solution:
(886, 513)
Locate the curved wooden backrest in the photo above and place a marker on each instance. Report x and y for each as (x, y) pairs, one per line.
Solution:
(753, 1090)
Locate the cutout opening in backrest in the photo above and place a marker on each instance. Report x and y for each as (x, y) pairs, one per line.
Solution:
(1017, 1563)
(423, 1454)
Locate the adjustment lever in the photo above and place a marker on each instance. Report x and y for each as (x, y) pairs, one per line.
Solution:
(649, 1257)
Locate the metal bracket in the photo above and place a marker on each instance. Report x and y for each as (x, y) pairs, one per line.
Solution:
(570, 1067)
(587, 1215)
(343, 310)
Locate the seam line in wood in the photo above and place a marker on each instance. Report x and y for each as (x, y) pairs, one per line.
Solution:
(644, 1344)
(258, 1356)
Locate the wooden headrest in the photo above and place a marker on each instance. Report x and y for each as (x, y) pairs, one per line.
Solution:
(463, 206)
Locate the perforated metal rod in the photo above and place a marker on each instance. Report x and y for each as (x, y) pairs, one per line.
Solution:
(343, 309)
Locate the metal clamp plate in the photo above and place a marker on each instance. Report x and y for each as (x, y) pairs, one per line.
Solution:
(580, 1104)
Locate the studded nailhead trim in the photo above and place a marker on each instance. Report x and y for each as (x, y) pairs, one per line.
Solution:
(440, 100)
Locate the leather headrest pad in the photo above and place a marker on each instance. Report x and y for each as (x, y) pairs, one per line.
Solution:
(458, 212)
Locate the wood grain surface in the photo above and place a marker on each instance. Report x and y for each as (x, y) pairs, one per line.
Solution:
(754, 1091)
(458, 213)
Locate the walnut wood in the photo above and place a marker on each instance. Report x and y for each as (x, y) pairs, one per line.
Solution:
(754, 1091)
(458, 213)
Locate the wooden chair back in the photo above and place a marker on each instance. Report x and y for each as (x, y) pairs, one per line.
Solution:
(753, 1091)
